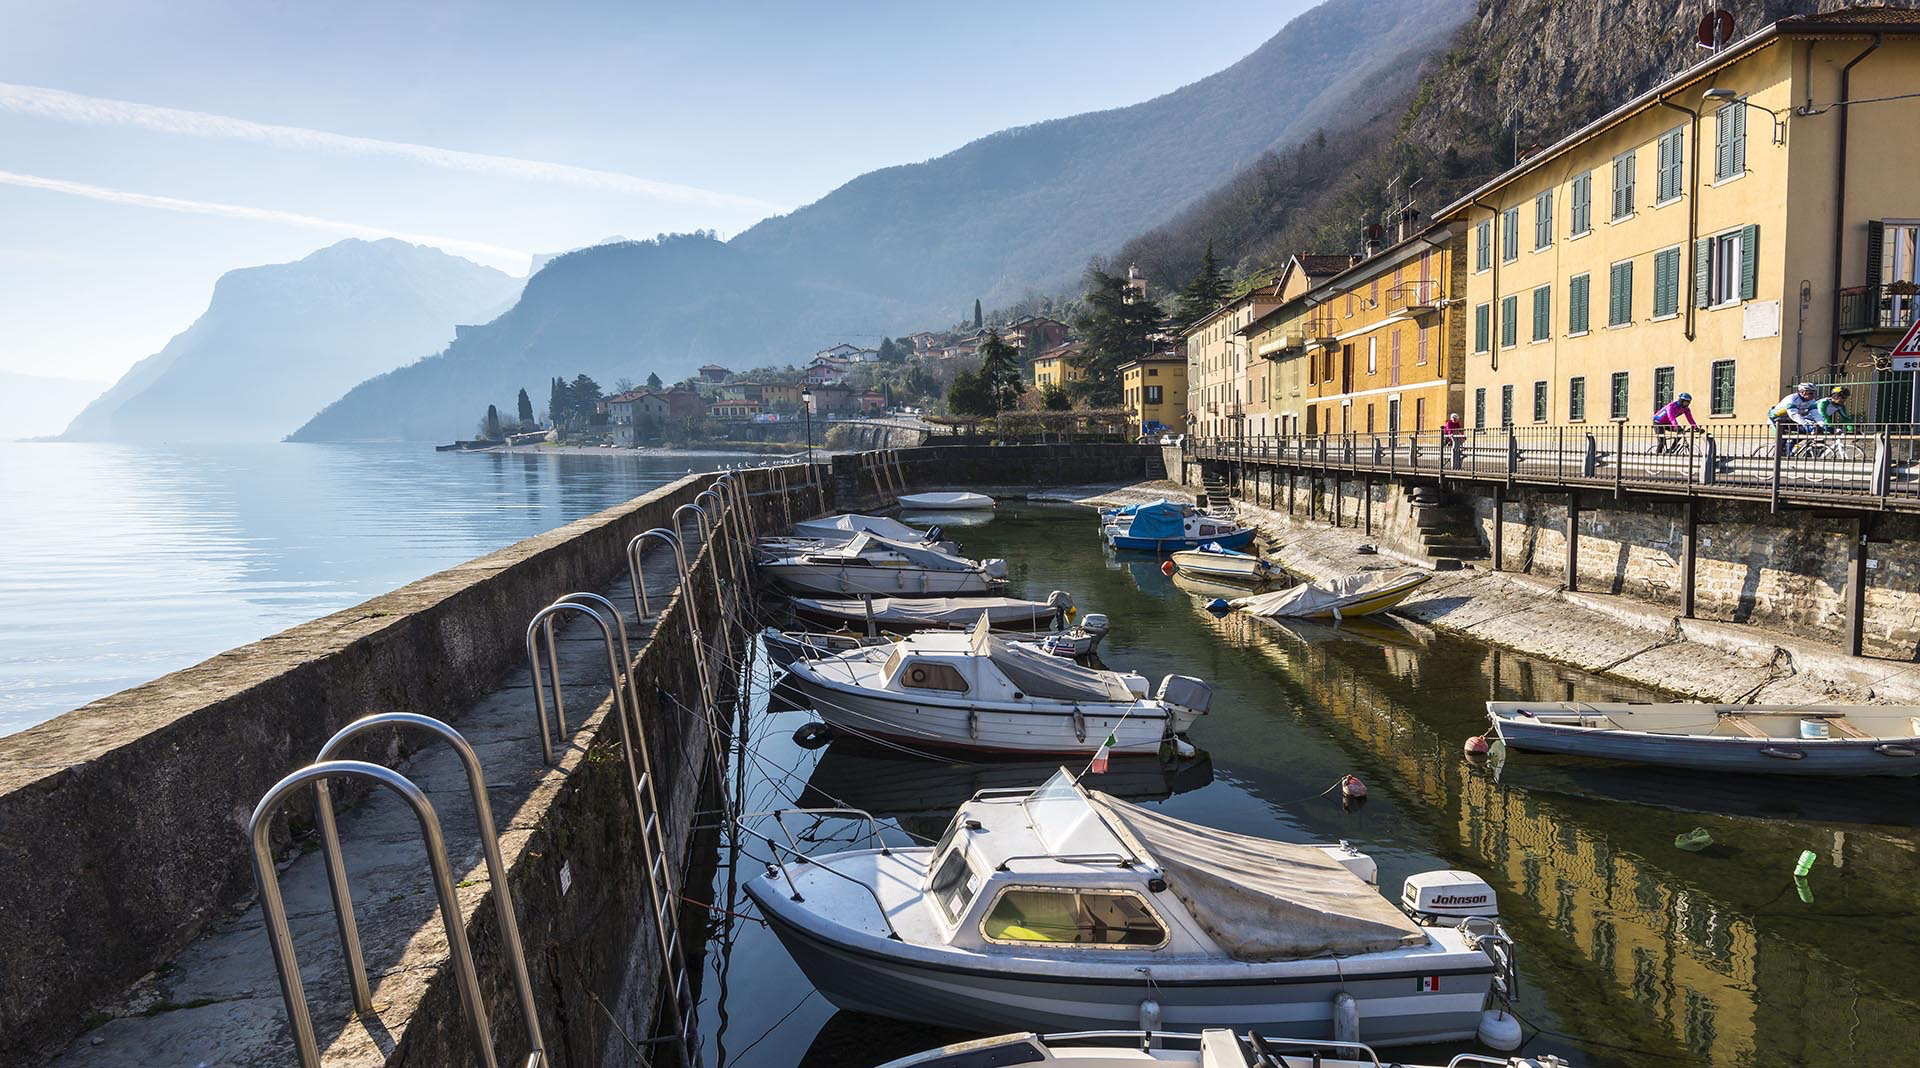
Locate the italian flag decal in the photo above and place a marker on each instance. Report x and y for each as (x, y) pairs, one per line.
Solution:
(1427, 984)
(1099, 765)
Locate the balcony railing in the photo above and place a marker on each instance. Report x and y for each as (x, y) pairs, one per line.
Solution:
(1321, 330)
(1879, 466)
(1865, 309)
(1416, 297)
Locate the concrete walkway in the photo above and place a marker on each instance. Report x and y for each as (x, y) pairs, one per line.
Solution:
(219, 1002)
(1609, 634)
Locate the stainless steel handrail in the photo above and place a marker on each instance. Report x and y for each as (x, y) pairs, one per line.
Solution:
(541, 624)
(489, 845)
(636, 570)
(274, 909)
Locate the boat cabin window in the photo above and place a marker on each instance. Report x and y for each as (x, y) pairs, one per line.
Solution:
(1208, 530)
(954, 883)
(1027, 915)
(927, 675)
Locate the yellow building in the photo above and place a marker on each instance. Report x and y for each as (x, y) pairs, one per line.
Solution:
(1154, 390)
(780, 396)
(1054, 367)
(1741, 227)
(1217, 364)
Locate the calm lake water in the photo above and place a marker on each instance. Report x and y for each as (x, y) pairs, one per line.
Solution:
(1631, 951)
(122, 563)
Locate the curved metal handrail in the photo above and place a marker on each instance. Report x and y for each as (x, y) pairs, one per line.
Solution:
(637, 573)
(540, 624)
(701, 522)
(489, 845)
(274, 909)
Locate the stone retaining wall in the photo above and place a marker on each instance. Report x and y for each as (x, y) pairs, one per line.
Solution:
(871, 479)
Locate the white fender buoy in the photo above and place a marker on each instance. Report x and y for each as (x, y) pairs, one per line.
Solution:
(1500, 1030)
(1346, 1018)
(1149, 1015)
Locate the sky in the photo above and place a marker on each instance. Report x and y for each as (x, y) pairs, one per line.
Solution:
(147, 148)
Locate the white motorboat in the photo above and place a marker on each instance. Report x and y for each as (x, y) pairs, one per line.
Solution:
(817, 535)
(1067, 909)
(913, 613)
(1831, 740)
(1156, 1049)
(870, 564)
(786, 646)
(1355, 595)
(1166, 527)
(1215, 561)
(975, 690)
(946, 502)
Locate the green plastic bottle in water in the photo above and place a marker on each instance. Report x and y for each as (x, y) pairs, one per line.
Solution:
(1805, 864)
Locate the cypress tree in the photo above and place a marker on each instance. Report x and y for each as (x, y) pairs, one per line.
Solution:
(526, 407)
(978, 321)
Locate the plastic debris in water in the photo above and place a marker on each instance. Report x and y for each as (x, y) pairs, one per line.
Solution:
(1804, 864)
(1219, 606)
(1167, 568)
(1693, 841)
(1804, 888)
(1351, 786)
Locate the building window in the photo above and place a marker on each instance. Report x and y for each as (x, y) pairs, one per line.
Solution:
(1153, 394)
(1618, 408)
(1543, 220)
(1419, 344)
(1662, 387)
(1393, 358)
(1620, 293)
(1726, 267)
(1577, 289)
(1480, 407)
(1543, 313)
(1483, 246)
(1623, 185)
(1730, 140)
(1582, 208)
(1482, 327)
(1373, 355)
(1539, 402)
(1666, 282)
(1510, 235)
(1506, 405)
(1509, 321)
(1577, 399)
(1721, 395)
(1670, 161)
(1893, 252)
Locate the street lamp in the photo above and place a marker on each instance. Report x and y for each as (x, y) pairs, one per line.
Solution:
(806, 405)
(1728, 96)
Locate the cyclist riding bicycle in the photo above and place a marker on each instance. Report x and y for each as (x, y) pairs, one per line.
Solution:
(1833, 410)
(1798, 413)
(1666, 423)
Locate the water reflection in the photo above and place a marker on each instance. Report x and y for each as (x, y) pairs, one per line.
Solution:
(1632, 951)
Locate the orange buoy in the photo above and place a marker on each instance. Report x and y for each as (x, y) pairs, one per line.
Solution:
(1167, 568)
(1351, 786)
(1477, 745)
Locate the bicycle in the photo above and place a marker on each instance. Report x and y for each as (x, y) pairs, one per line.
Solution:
(1815, 446)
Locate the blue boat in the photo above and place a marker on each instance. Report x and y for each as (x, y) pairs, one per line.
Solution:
(1165, 527)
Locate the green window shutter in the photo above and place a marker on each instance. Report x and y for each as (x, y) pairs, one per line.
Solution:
(1542, 313)
(1739, 138)
(1723, 141)
(1509, 321)
(1703, 272)
(1749, 260)
(1876, 250)
(1577, 304)
(1666, 282)
(1481, 327)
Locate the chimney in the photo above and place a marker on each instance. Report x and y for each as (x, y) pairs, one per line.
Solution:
(1405, 225)
(1376, 237)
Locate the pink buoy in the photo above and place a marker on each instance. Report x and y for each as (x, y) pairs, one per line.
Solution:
(1167, 568)
(1351, 786)
(1477, 745)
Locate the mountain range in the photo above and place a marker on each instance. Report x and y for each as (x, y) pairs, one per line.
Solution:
(277, 340)
(906, 247)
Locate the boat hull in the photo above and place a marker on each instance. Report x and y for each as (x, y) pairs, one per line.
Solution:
(946, 502)
(1044, 728)
(1828, 758)
(1216, 565)
(1236, 540)
(879, 581)
(1295, 1000)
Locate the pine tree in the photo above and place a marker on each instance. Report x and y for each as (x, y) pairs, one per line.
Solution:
(970, 395)
(526, 408)
(1116, 327)
(888, 354)
(490, 429)
(1000, 371)
(1205, 292)
(653, 381)
(978, 320)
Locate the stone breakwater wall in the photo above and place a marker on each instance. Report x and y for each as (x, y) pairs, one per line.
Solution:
(122, 822)
(872, 479)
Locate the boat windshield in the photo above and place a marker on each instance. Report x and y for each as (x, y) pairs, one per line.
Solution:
(1064, 821)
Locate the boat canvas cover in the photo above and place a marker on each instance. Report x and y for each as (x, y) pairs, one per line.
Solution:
(936, 611)
(842, 528)
(1039, 674)
(1160, 520)
(918, 555)
(1319, 598)
(1263, 900)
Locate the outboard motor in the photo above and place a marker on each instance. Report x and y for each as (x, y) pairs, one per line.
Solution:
(1185, 691)
(1434, 896)
(1094, 623)
(995, 568)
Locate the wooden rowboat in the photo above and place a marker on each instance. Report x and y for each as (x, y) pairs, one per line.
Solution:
(1831, 740)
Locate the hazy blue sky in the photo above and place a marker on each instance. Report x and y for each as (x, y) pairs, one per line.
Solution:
(147, 147)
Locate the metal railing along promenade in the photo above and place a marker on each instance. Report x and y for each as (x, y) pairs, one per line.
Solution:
(1874, 467)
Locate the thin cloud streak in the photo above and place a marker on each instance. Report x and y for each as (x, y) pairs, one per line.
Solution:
(498, 255)
(61, 105)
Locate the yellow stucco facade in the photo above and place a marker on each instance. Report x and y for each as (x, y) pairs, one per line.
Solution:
(1218, 387)
(1687, 241)
(1053, 369)
(1154, 390)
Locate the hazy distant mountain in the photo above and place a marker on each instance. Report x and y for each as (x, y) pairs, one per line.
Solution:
(277, 342)
(541, 259)
(40, 405)
(908, 247)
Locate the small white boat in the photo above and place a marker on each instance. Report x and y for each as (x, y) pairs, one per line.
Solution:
(909, 613)
(1067, 909)
(1801, 740)
(946, 502)
(1355, 595)
(870, 564)
(842, 528)
(1165, 527)
(786, 646)
(1213, 561)
(1157, 1049)
(975, 690)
